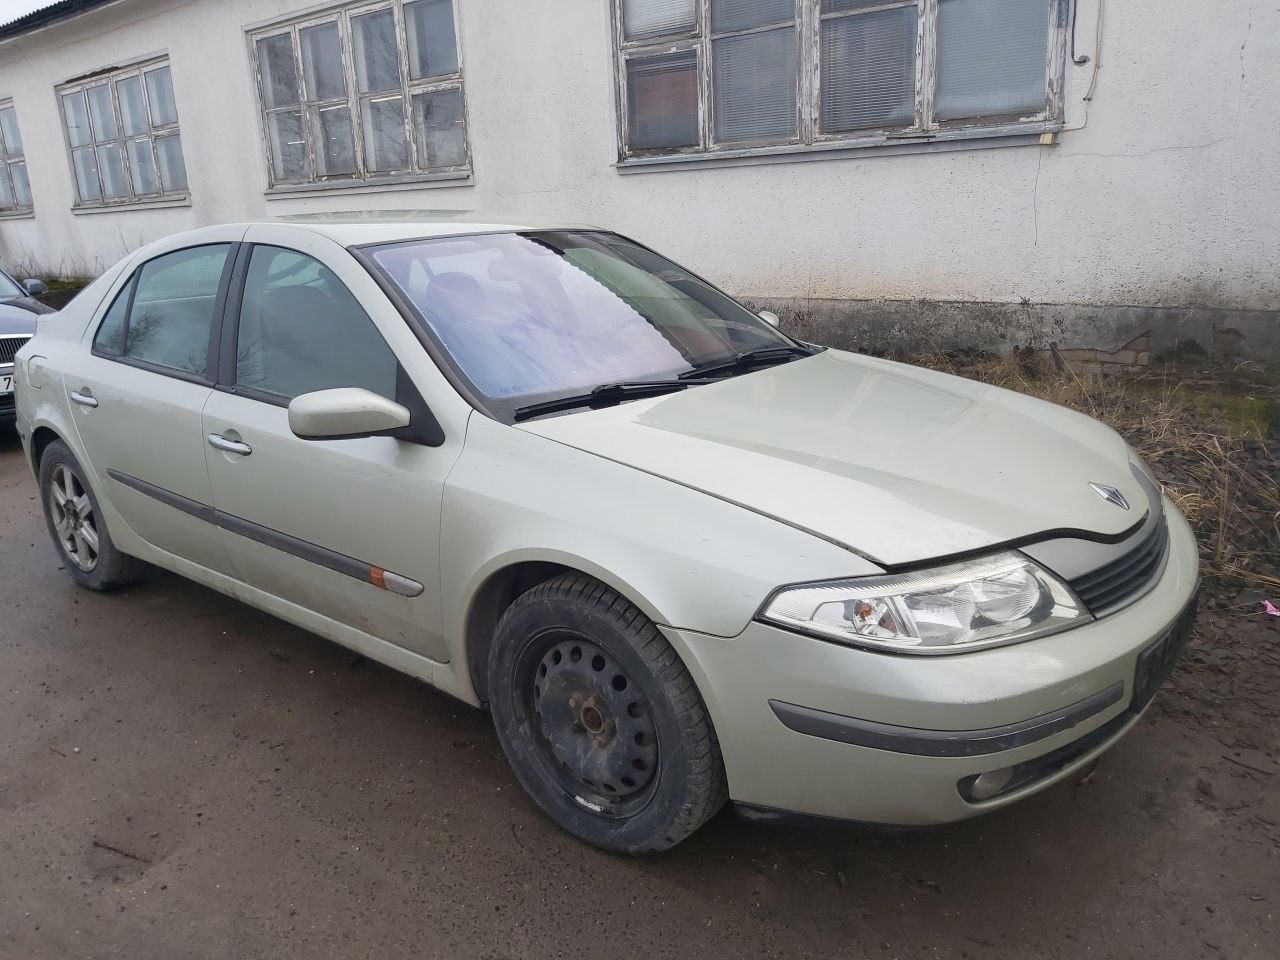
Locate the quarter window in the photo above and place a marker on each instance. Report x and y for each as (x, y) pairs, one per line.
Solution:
(301, 330)
(15, 188)
(701, 76)
(368, 92)
(122, 133)
(164, 315)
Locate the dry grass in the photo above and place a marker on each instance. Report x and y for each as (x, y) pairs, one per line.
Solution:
(1211, 439)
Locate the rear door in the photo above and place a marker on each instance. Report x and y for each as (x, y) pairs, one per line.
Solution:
(136, 397)
(346, 528)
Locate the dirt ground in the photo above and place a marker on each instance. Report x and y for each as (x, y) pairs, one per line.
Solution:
(182, 776)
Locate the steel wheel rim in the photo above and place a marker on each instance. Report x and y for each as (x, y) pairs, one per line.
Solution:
(74, 523)
(592, 728)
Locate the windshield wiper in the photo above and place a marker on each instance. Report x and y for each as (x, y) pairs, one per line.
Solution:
(607, 394)
(747, 359)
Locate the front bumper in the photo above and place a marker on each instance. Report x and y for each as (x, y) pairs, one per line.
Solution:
(812, 727)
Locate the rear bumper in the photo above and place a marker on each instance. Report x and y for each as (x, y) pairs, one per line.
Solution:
(820, 729)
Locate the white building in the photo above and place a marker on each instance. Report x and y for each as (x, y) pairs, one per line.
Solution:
(895, 172)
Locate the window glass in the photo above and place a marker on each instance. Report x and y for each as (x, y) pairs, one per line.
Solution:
(21, 185)
(301, 330)
(754, 78)
(142, 168)
(111, 167)
(433, 48)
(173, 169)
(334, 141)
(278, 70)
(110, 336)
(101, 112)
(869, 70)
(77, 119)
(439, 130)
(662, 100)
(6, 191)
(288, 148)
(656, 18)
(164, 109)
(385, 146)
(133, 108)
(377, 57)
(322, 62)
(9, 130)
(991, 57)
(173, 308)
(728, 15)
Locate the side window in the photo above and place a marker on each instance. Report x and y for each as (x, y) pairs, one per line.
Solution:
(301, 330)
(174, 298)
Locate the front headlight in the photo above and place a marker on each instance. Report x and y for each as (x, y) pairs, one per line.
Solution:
(962, 606)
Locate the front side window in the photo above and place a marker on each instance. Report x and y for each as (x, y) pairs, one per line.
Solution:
(15, 188)
(368, 92)
(701, 77)
(300, 329)
(122, 133)
(534, 315)
(163, 316)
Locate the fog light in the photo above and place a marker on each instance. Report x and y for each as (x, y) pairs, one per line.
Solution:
(987, 785)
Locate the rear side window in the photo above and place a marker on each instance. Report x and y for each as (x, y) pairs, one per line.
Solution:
(164, 315)
(301, 330)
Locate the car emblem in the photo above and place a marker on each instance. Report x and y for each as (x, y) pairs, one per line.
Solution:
(1110, 494)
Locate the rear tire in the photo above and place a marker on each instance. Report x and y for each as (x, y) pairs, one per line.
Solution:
(77, 527)
(600, 720)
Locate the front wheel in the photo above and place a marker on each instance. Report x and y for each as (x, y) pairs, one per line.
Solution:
(600, 720)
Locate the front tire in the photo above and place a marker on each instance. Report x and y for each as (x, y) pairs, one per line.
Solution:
(600, 720)
(77, 527)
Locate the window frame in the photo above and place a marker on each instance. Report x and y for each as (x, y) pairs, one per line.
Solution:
(342, 14)
(7, 163)
(925, 128)
(129, 288)
(109, 78)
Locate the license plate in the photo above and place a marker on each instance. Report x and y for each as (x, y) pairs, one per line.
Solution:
(6, 383)
(1157, 661)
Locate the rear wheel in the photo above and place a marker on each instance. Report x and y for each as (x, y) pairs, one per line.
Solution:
(76, 525)
(600, 720)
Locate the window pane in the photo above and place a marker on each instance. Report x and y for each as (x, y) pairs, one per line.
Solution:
(77, 119)
(21, 185)
(655, 18)
(439, 130)
(111, 167)
(142, 168)
(302, 330)
(164, 109)
(110, 336)
(322, 62)
(991, 57)
(433, 49)
(838, 6)
(385, 146)
(288, 148)
(133, 108)
(869, 70)
(102, 112)
(754, 86)
(173, 308)
(9, 129)
(662, 101)
(377, 56)
(332, 140)
(729, 15)
(86, 168)
(173, 168)
(6, 191)
(279, 71)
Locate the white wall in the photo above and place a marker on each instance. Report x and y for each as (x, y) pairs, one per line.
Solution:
(1167, 196)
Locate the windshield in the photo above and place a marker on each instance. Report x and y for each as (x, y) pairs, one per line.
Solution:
(536, 315)
(9, 288)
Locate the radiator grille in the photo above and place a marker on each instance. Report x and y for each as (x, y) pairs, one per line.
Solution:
(1111, 586)
(9, 347)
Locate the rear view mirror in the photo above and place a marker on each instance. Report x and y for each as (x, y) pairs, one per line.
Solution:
(35, 287)
(769, 317)
(343, 414)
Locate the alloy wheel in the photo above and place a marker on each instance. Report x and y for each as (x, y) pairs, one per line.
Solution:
(73, 518)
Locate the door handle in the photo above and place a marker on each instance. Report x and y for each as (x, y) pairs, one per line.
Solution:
(231, 446)
(84, 398)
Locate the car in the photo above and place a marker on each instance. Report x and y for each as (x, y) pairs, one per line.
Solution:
(19, 309)
(681, 557)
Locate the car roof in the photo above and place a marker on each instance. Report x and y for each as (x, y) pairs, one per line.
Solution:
(384, 226)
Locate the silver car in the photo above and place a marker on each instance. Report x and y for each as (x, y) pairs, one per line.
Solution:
(19, 309)
(681, 557)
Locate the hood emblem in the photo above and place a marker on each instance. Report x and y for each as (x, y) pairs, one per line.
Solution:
(1110, 494)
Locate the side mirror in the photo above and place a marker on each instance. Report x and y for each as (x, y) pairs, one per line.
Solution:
(769, 317)
(35, 287)
(344, 414)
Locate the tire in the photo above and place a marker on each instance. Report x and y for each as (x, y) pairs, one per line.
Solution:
(600, 720)
(75, 529)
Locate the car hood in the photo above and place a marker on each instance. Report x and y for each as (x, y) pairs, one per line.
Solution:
(897, 463)
(19, 316)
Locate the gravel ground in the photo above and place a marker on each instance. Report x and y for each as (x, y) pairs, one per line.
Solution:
(182, 776)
